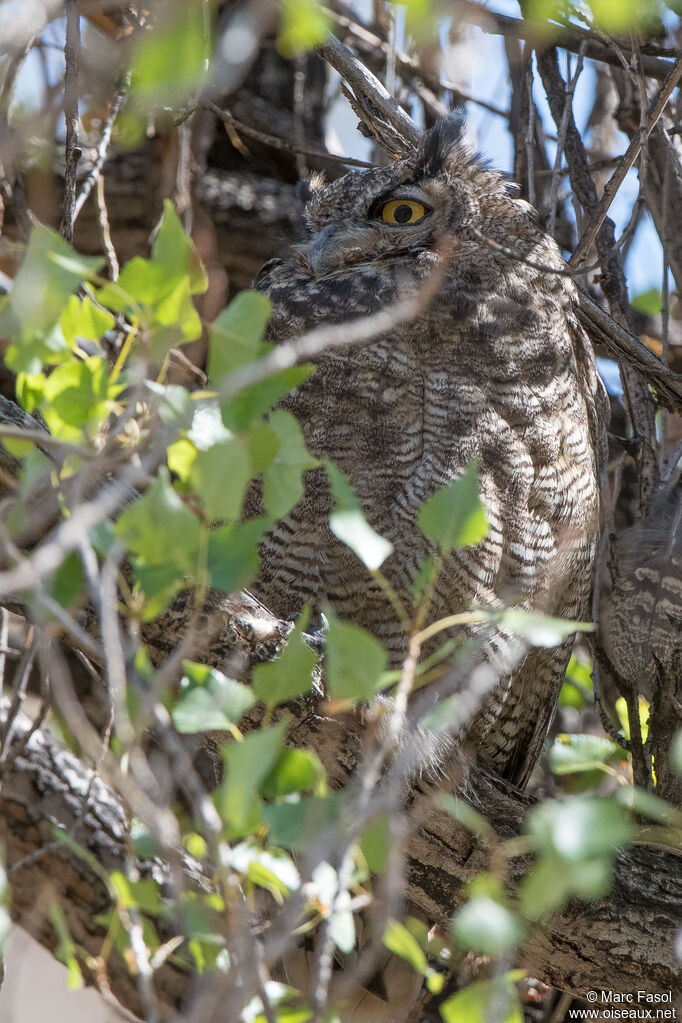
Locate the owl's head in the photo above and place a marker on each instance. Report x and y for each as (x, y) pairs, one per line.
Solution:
(436, 191)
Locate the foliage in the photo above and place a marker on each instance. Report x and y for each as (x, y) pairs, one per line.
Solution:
(92, 359)
(183, 530)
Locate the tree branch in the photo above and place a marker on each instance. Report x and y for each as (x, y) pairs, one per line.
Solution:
(46, 787)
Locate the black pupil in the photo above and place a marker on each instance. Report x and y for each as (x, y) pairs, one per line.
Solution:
(403, 213)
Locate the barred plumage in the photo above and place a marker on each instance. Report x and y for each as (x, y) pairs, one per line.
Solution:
(496, 368)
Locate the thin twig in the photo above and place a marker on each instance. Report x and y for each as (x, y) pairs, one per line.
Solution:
(494, 23)
(103, 146)
(274, 141)
(409, 64)
(4, 640)
(72, 150)
(388, 123)
(103, 221)
(334, 336)
(561, 140)
(615, 181)
(529, 138)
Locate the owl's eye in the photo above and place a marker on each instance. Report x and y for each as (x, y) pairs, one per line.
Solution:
(402, 211)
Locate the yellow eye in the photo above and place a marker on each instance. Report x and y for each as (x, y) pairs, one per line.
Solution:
(402, 211)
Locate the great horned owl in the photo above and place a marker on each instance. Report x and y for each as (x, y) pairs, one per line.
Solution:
(496, 368)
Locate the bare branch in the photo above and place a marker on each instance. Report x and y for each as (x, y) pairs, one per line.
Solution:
(572, 38)
(615, 181)
(383, 119)
(72, 147)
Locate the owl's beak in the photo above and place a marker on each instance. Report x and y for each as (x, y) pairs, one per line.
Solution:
(324, 251)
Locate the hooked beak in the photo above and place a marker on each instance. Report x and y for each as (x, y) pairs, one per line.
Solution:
(319, 254)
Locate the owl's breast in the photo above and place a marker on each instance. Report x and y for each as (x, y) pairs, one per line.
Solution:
(364, 409)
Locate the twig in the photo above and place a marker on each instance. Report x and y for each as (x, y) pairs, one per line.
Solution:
(103, 147)
(274, 141)
(637, 396)
(630, 350)
(615, 181)
(561, 140)
(21, 676)
(381, 116)
(72, 149)
(299, 108)
(103, 221)
(4, 639)
(333, 336)
(665, 299)
(49, 555)
(529, 138)
(494, 23)
(408, 63)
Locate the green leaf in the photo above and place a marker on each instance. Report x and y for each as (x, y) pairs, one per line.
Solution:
(486, 926)
(485, 1001)
(375, 844)
(577, 689)
(580, 827)
(49, 273)
(538, 629)
(233, 554)
(263, 447)
(236, 339)
(303, 26)
(247, 763)
(235, 336)
(348, 522)
(649, 302)
(68, 581)
(169, 63)
(676, 753)
(251, 402)
(294, 771)
(66, 949)
(571, 753)
(454, 516)
(77, 397)
(177, 318)
(618, 16)
(577, 840)
(209, 701)
(142, 894)
(398, 940)
(161, 287)
(294, 826)
(443, 715)
(174, 251)
(354, 662)
(84, 319)
(180, 456)
(649, 805)
(271, 869)
(220, 476)
(290, 675)
(140, 283)
(159, 529)
(282, 483)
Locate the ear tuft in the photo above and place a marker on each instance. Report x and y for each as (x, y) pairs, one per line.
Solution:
(439, 141)
(306, 188)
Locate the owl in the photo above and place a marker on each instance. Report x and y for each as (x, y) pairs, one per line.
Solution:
(494, 369)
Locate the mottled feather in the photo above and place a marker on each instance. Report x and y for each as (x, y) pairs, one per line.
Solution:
(497, 368)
